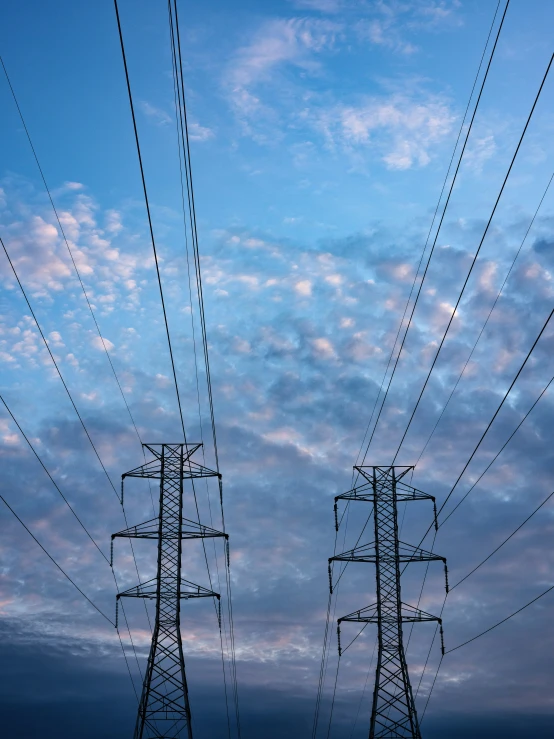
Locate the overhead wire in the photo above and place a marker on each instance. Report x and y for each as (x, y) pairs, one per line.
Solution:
(497, 411)
(475, 256)
(194, 235)
(503, 621)
(333, 593)
(364, 689)
(507, 539)
(45, 469)
(60, 568)
(487, 319)
(68, 504)
(149, 216)
(493, 460)
(69, 395)
(181, 145)
(70, 251)
(477, 447)
(188, 170)
(451, 188)
(45, 342)
(460, 130)
(196, 253)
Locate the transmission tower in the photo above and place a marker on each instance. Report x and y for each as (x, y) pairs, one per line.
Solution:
(164, 710)
(393, 714)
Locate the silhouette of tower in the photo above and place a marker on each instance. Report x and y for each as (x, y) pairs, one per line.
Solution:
(164, 710)
(393, 714)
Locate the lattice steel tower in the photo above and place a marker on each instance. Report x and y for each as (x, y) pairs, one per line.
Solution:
(164, 709)
(393, 712)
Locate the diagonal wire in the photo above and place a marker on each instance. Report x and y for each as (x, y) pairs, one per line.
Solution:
(181, 129)
(428, 235)
(475, 257)
(507, 539)
(506, 394)
(149, 216)
(35, 155)
(196, 254)
(64, 573)
(438, 228)
(69, 395)
(503, 621)
(363, 691)
(56, 366)
(68, 504)
(493, 460)
(487, 319)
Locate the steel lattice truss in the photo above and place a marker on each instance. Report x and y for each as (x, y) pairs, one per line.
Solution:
(164, 710)
(393, 713)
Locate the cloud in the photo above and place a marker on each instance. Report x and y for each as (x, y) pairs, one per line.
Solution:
(199, 133)
(323, 6)
(402, 130)
(294, 381)
(100, 343)
(277, 44)
(159, 116)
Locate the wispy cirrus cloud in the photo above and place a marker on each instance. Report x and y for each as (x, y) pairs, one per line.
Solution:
(401, 130)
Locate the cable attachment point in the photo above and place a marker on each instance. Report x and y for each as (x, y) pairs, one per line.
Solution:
(446, 577)
(338, 639)
(121, 501)
(442, 638)
(330, 578)
(220, 483)
(336, 517)
(228, 554)
(435, 513)
(111, 553)
(117, 612)
(219, 612)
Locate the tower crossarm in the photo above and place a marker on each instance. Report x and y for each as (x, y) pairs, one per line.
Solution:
(365, 494)
(151, 530)
(370, 615)
(406, 554)
(179, 468)
(148, 589)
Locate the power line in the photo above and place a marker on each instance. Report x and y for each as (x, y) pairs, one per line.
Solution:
(514, 532)
(147, 203)
(475, 256)
(503, 621)
(465, 578)
(504, 398)
(56, 366)
(478, 636)
(69, 248)
(439, 227)
(487, 319)
(182, 119)
(69, 395)
(428, 236)
(64, 573)
(194, 234)
(81, 524)
(520, 370)
(459, 503)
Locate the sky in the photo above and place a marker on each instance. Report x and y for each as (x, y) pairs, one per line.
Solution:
(321, 134)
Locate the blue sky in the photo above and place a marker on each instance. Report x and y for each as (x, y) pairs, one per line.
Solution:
(321, 132)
